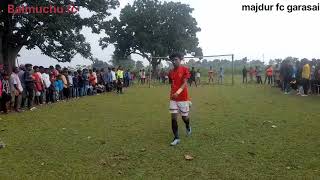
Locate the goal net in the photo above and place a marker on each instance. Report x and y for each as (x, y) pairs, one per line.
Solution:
(207, 70)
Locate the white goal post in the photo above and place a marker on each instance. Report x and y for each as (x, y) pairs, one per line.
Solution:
(197, 57)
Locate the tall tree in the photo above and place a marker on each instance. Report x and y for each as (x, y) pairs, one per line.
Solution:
(272, 62)
(125, 62)
(139, 65)
(191, 62)
(56, 35)
(278, 61)
(98, 64)
(153, 28)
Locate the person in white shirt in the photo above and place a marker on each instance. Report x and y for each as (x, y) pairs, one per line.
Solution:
(16, 89)
(70, 81)
(198, 76)
(47, 83)
(140, 76)
(114, 78)
(143, 76)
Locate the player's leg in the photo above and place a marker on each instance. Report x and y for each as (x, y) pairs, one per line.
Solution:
(186, 121)
(184, 108)
(174, 122)
(174, 125)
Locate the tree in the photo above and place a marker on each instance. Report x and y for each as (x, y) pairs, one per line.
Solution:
(244, 60)
(152, 28)
(191, 63)
(291, 60)
(56, 35)
(139, 65)
(272, 62)
(98, 64)
(126, 62)
(278, 61)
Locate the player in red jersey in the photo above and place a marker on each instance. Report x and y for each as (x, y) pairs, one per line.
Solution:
(179, 98)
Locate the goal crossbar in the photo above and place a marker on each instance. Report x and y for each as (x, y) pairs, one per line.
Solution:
(198, 57)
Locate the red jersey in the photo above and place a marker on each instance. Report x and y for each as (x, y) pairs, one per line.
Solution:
(38, 81)
(177, 77)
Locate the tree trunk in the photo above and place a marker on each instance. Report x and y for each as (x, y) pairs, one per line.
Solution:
(1, 50)
(11, 61)
(8, 54)
(155, 65)
(8, 57)
(9, 51)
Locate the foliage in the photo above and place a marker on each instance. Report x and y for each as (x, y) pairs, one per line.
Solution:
(127, 137)
(56, 35)
(153, 27)
(125, 62)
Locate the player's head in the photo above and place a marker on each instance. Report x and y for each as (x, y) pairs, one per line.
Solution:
(176, 59)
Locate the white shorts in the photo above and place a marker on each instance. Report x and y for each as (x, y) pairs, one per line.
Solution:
(182, 107)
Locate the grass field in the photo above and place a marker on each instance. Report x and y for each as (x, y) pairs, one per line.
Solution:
(128, 136)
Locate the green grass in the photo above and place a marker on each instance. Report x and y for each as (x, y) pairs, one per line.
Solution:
(127, 137)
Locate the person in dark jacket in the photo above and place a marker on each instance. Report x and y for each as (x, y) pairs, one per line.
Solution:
(286, 71)
(30, 87)
(244, 74)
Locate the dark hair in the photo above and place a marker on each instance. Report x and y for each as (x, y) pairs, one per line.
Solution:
(51, 67)
(176, 55)
(28, 65)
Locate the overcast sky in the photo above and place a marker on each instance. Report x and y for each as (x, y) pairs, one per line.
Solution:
(227, 29)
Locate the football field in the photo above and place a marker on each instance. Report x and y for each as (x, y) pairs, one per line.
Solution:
(239, 132)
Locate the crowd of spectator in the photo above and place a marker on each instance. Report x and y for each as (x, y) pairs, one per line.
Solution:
(301, 77)
(28, 86)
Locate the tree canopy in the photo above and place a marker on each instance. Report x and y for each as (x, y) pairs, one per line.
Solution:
(56, 35)
(126, 62)
(153, 27)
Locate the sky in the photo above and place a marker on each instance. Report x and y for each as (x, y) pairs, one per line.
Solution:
(226, 29)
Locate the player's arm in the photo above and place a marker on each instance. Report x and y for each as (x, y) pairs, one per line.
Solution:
(170, 78)
(178, 92)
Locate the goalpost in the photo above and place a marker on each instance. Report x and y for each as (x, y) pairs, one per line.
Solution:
(200, 58)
